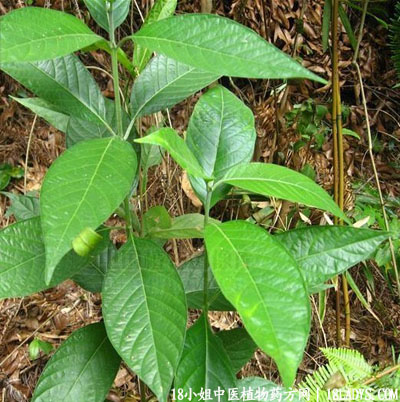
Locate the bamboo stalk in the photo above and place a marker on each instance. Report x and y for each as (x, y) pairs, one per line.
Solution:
(338, 163)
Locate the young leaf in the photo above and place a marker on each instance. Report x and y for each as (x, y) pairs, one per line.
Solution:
(161, 9)
(221, 135)
(82, 369)
(219, 45)
(22, 261)
(144, 311)
(65, 83)
(351, 133)
(98, 10)
(47, 111)
(151, 155)
(278, 181)
(263, 282)
(34, 34)
(91, 276)
(37, 346)
(79, 129)
(176, 146)
(347, 26)
(239, 346)
(81, 190)
(204, 363)
(192, 275)
(326, 24)
(164, 83)
(322, 252)
(23, 206)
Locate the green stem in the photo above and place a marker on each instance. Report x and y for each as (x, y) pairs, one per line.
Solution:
(117, 98)
(205, 284)
(118, 106)
(115, 73)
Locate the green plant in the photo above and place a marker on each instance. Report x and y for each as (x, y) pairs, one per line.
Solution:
(367, 205)
(266, 278)
(310, 121)
(8, 172)
(348, 376)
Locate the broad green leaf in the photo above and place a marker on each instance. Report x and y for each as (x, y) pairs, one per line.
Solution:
(34, 34)
(91, 276)
(322, 252)
(176, 146)
(79, 129)
(82, 369)
(219, 45)
(186, 226)
(47, 111)
(280, 182)
(221, 135)
(164, 83)
(264, 390)
(22, 261)
(23, 206)
(82, 188)
(204, 363)
(156, 217)
(161, 9)
(98, 10)
(151, 155)
(144, 311)
(239, 346)
(192, 275)
(65, 83)
(263, 282)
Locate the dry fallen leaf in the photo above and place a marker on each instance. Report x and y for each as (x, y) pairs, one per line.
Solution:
(187, 188)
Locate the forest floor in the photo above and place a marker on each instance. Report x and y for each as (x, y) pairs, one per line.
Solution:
(53, 314)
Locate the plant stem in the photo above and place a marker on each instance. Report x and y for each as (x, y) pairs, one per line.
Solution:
(118, 106)
(370, 144)
(338, 156)
(384, 373)
(115, 73)
(205, 285)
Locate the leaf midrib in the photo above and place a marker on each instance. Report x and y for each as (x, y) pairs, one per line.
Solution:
(66, 89)
(84, 367)
(60, 37)
(247, 179)
(164, 87)
(255, 286)
(67, 226)
(37, 256)
(312, 255)
(148, 312)
(191, 46)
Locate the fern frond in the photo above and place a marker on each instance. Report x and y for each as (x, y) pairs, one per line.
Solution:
(395, 38)
(316, 381)
(350, 361)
